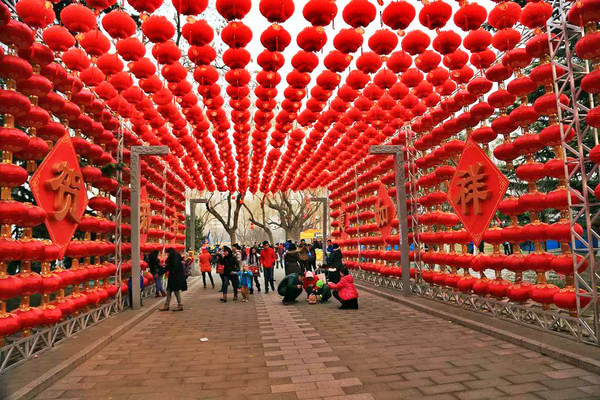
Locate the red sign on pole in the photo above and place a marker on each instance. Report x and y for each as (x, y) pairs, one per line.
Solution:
(58, 187)
(385, 211)
(476, 189)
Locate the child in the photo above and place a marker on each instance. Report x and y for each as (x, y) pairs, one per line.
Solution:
(322, 292)
(245, 282)
(345, 291)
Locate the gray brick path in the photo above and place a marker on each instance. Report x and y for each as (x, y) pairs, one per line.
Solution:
(264, 350)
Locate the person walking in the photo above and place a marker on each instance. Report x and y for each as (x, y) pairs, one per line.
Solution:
(267, 259)
(328, 250)
(345, 291)
(245, 277)
(157, 271)
(335, 264)
(234, 278)
(177, 281)
(303, 254)
(205, 267)
(254, 265)
(312, 257)
(280, 251)
(291, 260)
(227, 266)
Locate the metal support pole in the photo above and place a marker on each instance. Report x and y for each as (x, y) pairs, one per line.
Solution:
(193, 203)
(325, 203)
(401, 210)
(136, 153)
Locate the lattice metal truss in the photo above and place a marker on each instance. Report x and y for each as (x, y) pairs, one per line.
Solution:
(583, 206)
(18, 350)
(119, 210)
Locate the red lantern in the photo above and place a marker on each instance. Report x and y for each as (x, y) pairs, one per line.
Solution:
(158, 29)
(78, 18)
(320, 12)
(347, 41)
(398, 15)
(359, 13)
(233, 9)
(190, 7)
(276, 11)
(435, 15)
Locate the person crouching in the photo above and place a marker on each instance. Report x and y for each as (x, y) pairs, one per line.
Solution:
(345, 291)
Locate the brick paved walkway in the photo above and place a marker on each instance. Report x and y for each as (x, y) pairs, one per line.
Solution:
(264, 350)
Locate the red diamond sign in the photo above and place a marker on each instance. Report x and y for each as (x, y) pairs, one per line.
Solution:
(385, 212)
(58, 187)
(476, 189)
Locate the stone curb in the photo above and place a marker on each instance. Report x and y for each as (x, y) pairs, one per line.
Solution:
(38, 385)
(587, 363)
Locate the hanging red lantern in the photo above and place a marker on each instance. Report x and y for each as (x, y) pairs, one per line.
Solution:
(415, 42)
(197, 32)
(311, 39)
(477, 40)
(348, 41)
(35, 13)
(58, 38)
(504, 15)
(236, 34)
(276, 11)
(78, 18)
(119, 24)
(233, 9)
(535, 15)
(383, 41)
(368, 62)
(320, 12)
(95, 43)
(147, 6)
(398, 15)
(190, 7)
(359, 13)
(435, 14)
(275, 38)
(446, 42)
(470, 16)
(158, 29)
(399, 61)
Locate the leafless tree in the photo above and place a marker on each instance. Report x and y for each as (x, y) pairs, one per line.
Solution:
(230, 221)
(261, 221)
(295, 212)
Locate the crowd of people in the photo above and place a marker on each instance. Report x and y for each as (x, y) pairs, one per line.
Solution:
(241, 268)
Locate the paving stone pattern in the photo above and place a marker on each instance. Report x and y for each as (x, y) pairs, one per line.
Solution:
(264, 350)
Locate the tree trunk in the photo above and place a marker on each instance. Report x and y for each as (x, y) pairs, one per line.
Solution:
(292, 233)
(270, 236)
(232, 236)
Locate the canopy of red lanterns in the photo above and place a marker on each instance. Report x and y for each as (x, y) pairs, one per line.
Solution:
(423, 75)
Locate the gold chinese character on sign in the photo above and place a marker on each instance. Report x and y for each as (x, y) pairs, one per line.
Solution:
(343, 221)
(472, 189)
(145, 216)
(67, 183)
(383, 215)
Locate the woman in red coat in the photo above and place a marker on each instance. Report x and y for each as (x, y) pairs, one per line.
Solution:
(345, 291)
(205, 266)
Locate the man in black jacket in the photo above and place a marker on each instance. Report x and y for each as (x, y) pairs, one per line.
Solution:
(335, 264)
(290, 287)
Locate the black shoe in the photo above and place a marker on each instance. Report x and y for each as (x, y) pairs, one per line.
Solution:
(266, 291)
(258, 290)
(223, 300)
